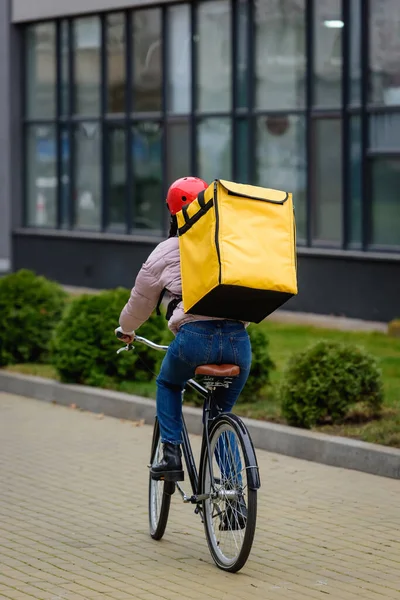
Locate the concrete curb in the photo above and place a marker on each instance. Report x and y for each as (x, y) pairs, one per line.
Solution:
(298, 443)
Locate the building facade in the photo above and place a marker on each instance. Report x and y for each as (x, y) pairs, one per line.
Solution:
(104, 103)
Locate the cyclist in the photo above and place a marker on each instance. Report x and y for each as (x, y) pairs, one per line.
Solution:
(198, 340)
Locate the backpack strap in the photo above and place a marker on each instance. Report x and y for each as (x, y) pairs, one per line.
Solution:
(171, 305)
(160, 299)
(201, 199)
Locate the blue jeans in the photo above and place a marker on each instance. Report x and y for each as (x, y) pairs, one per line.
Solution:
(200, 343)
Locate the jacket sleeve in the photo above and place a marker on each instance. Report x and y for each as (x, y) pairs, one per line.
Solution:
(144, 295)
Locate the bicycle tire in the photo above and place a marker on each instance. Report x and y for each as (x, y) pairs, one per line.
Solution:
(234, 425)
(159, 492)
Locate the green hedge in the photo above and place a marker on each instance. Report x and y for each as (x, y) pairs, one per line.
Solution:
(30, 307)
(325, 381)
(84, 346)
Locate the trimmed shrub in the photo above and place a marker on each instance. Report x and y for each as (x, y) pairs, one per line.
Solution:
(30, 308)
(84, 346)
(324, 382)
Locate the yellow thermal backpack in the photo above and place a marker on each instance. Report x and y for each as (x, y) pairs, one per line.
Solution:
(238, 251)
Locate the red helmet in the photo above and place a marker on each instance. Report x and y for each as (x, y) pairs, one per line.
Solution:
(183, 191)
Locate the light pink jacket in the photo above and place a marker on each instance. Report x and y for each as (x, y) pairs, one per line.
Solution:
(161, 270)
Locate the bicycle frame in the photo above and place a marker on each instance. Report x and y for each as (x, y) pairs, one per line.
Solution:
(196, 498)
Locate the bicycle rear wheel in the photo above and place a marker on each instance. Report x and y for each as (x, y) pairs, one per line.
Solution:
(159, 492)
(231, 511)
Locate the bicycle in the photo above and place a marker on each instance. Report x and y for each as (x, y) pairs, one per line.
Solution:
(224, 490)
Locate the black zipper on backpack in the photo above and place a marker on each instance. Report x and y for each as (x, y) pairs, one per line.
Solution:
(217, 232)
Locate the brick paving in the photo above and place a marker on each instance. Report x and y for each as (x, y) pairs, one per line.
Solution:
(73, 521)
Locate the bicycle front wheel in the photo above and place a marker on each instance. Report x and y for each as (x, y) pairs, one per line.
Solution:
(231, 511)
(159, 491)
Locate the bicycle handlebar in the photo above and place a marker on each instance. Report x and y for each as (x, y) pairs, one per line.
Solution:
(144, 341)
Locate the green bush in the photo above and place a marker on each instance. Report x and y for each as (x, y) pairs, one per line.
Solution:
(30, 307)
(84, 346)
(326, 381)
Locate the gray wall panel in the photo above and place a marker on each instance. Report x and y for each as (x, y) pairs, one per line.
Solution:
(32, 10)
(5, 166)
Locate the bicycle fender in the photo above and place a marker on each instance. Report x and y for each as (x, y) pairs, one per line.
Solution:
(253, 474)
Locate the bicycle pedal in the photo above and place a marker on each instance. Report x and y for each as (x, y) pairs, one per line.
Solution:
(171, 476)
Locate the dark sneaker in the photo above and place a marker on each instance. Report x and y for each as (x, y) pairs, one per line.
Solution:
(170, 467)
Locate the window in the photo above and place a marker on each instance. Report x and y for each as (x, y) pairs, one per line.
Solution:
(147, 175)
(217, 89)
(242, 58)
(178, 151)
(87, 171)
(87, 41)
(179, 81)
(385, 52)
(280, 160)
(280, 54)
(117, 188)
(385, 174)
(147, 58)
(355, 52)
(64, 68)
(42, 179)
(328, 28)
(214, 56)
(116, 79)
(327, 185)
(384, 132)
(214, 148)
(65, 182)
(355, 215)
(40, 71)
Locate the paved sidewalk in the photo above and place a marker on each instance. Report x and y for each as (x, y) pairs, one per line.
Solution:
(73, 521)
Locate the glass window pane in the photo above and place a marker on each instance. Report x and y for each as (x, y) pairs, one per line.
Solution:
(328, 28)
(281, 160)
(386, 201)
(87, 171)
(115, 32)
(355, 55)
(42, 176)
(214, 149)
(64, 68)
(385, 52)
(355, 181)
(147, 59)
(242, 65)
(214, 56)
(147, 176)
(280, 54)
(65, 183)
(178, 151)
(179, 53)
(384, 131)
(117, 191)
(87, 41)
(41, 71)
(327, 160)
(242, 157)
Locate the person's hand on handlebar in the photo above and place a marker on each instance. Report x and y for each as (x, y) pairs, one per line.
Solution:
(126, 337)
